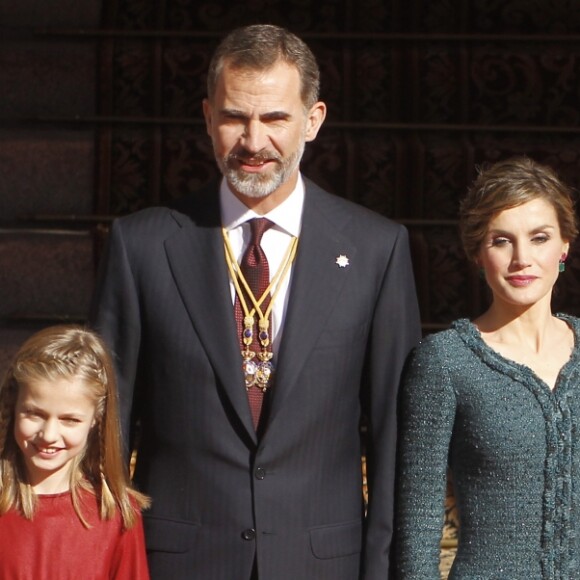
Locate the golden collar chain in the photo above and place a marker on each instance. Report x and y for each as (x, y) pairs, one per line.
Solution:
(258, 373)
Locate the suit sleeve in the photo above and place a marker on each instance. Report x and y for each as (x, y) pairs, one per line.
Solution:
(115, 315)
(395, 331)
(427, 412)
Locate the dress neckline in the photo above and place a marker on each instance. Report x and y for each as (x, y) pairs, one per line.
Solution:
(42, 496)
(471, 335)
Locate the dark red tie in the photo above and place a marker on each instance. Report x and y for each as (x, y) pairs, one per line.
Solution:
(254, 267)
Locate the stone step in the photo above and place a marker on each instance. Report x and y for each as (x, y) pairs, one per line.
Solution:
(45, 274)
(10, 340)
(56, 13)
(46, 171)
(47, 79)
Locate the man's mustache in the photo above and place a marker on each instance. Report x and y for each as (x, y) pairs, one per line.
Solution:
(260, 157)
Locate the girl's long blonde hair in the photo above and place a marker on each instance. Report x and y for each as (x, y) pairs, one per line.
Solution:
(71, 353)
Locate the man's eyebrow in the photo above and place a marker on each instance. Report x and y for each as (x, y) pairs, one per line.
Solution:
(275, 115)
(232, 113)
(270, 116)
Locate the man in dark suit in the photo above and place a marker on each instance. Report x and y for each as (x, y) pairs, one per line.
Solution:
(253, 460)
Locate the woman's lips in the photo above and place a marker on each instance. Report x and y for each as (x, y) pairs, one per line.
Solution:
(521, 280)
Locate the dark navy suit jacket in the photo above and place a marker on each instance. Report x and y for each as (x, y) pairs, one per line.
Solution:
(292, 499)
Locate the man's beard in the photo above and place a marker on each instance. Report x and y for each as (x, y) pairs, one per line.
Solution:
(258, 185)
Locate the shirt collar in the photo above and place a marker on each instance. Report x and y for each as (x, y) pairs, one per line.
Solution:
(287, 216)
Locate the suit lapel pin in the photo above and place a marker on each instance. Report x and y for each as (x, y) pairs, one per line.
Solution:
(342, 261)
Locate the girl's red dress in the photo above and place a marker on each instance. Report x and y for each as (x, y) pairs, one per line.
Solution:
(56, 546)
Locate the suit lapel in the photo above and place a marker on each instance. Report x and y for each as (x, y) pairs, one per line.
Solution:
(196, 258)
(197, 247)
(316, 283)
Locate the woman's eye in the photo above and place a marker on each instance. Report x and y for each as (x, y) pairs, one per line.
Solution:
(499, 241)
(540, 239)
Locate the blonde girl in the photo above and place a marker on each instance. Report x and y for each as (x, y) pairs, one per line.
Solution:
(67, 509)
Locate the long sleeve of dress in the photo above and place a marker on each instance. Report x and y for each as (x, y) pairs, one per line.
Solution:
(512, 445)
(426, 417)
(130, 560)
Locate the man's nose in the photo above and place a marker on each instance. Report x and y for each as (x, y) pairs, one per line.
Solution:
(254, 136)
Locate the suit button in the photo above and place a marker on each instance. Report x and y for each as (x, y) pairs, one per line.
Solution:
(249, 534)
(260, 473)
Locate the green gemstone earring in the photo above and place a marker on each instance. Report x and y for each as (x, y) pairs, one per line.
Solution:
(562, 263)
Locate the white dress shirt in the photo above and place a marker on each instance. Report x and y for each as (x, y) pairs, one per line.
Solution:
(287, 219)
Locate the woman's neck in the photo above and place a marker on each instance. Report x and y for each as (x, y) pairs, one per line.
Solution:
(526, 326)
(535, 338)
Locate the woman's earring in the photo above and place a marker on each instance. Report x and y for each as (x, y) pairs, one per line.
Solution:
(562, 263)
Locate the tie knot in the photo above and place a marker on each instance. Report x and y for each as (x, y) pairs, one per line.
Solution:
(259, 226)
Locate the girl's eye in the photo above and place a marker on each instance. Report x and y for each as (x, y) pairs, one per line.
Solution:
(30, 413)
(499, 241)
(540, 239)
(70, 420)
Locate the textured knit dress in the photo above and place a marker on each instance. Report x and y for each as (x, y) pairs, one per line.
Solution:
(513, 448)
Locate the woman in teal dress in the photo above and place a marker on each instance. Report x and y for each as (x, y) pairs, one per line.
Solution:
(497, 399)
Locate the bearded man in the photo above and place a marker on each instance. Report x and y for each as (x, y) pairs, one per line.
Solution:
(254, 326)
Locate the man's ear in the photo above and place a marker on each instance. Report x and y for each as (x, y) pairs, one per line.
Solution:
(314, 120)
(207, 114)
